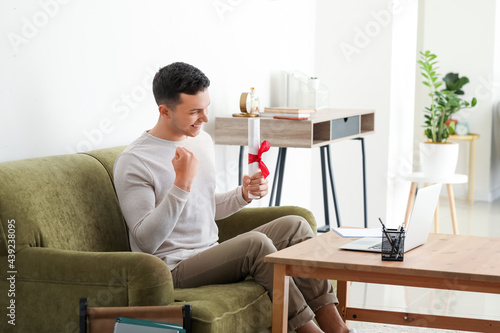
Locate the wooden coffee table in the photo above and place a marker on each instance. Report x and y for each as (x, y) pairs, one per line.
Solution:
(454, 262)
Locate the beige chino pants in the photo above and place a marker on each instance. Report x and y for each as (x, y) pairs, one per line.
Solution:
(243, 256)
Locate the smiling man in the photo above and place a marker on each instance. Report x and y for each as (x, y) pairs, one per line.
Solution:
(165, 182)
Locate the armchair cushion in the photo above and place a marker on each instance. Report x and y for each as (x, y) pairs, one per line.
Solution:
(221, 308)
(48, 280)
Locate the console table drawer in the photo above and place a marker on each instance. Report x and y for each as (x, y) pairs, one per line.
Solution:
(344, 127)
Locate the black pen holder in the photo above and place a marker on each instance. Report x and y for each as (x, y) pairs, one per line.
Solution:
(394, 249)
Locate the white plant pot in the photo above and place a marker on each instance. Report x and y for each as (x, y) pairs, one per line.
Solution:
(438, 160)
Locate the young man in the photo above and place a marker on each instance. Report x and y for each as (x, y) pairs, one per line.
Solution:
(165, 181)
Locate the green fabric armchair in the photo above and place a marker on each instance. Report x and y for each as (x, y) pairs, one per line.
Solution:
(71, 241)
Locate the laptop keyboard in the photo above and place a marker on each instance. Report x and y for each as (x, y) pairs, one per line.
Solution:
(377, 246)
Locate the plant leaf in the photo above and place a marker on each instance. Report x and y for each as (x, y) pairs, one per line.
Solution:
(452, 127)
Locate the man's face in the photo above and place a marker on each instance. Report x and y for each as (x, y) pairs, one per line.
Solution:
(189, 115)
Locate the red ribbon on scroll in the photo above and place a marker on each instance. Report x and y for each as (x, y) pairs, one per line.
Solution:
(265, 145)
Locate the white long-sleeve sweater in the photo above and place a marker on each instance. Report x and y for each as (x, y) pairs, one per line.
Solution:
(162, 219)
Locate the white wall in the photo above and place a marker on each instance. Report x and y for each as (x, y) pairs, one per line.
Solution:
(76, 75)
(462, 34)
(495, 161)
(404, 48)
(353, 58)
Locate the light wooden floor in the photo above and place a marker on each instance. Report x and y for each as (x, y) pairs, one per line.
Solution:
(480, 219)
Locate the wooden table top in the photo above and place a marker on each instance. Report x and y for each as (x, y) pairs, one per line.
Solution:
(443, 256)
(314, 132)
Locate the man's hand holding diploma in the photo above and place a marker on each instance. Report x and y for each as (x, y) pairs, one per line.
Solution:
(256, 185)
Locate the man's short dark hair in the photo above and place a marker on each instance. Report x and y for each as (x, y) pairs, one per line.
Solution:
(177, 78)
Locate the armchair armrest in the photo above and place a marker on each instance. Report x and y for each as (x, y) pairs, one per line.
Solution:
(51, 281)
(250, 218)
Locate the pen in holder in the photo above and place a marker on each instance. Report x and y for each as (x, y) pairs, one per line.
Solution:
(393, 244)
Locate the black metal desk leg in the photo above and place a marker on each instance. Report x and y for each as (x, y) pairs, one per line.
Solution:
(281, 175)
(332, 184)
(275, 178)
(364, 179)
(326, 227)
(240, 165)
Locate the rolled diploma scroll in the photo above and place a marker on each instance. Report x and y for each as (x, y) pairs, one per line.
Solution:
(253, 147)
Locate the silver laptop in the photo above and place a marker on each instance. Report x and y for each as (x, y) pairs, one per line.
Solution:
(419, 225)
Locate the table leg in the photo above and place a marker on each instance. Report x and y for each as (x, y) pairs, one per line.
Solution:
(363, 156)
(472, 163)
(411, 199)
(436, 219)
(325, 190)
(343, 295)
(327, 162)
(281, 284)
(276, 178)
(240, 165)
(451, 200)
(332, 185)
(281, 176)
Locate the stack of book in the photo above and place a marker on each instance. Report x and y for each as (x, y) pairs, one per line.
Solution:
(128, 325)
(287, 113)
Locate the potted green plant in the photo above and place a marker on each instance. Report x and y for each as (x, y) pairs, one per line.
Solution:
(438, 157)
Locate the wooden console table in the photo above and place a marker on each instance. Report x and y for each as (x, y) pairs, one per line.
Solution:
(324, 127)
